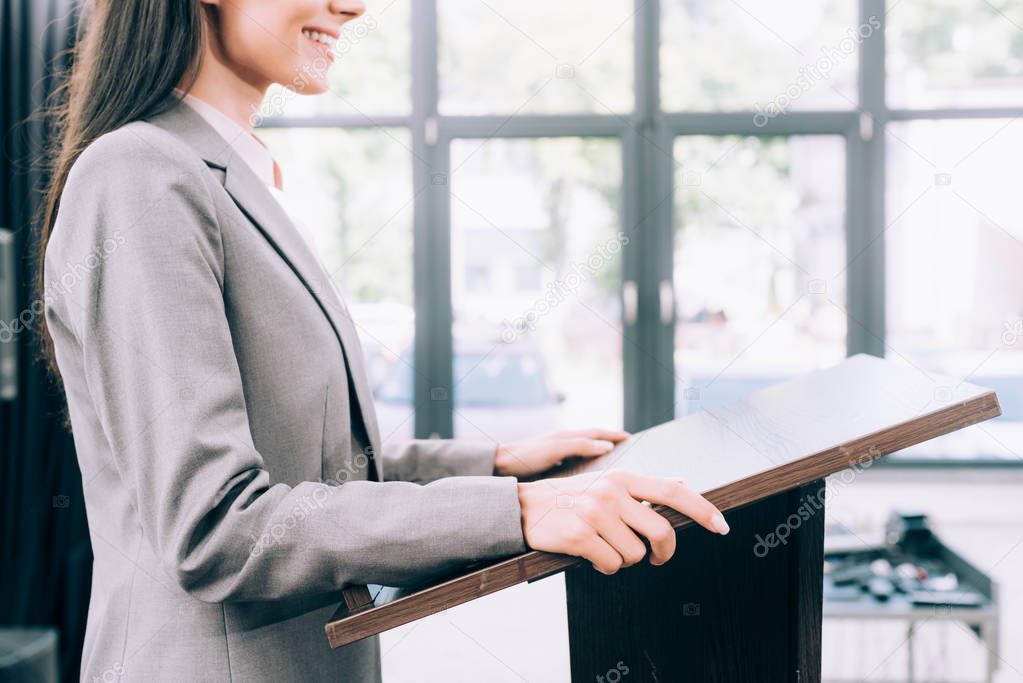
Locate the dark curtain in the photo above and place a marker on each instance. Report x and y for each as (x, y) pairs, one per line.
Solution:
(46, 565)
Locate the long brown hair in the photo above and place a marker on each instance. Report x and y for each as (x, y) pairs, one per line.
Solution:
(128, 56)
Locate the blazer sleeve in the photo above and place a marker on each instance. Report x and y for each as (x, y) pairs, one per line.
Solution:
(159, 363)
(426, 460)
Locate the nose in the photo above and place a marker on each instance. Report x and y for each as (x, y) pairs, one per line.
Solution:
(347, 10)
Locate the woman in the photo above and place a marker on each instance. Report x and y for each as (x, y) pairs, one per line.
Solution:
(234, 476)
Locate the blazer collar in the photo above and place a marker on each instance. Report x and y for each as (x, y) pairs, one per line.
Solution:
(256, 202)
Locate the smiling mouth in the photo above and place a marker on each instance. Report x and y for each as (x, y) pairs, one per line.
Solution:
(324, 42)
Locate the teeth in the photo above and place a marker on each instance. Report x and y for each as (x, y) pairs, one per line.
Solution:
(322, 38)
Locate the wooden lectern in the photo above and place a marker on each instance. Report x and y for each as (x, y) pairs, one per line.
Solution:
(744, 607)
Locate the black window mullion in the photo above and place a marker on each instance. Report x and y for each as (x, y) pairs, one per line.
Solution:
(432, 384)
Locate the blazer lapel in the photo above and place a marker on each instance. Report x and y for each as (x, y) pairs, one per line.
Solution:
(267, 215)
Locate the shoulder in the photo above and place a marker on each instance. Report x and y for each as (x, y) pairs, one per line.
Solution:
(135, 157)
(136, 174)
(138, 180)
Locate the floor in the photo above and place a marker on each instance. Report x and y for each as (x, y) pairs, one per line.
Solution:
(520, 634)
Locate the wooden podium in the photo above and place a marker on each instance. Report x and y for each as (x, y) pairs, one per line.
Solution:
(744, 607)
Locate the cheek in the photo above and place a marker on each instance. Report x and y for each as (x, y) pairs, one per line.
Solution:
(264, 41)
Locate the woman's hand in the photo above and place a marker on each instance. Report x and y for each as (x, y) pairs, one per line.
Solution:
(531, 456)
(599, 516)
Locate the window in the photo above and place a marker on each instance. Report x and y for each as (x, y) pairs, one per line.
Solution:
(955, 53)
(352, 191)
(543, 65)
(532, 359)
(955, 287)
(760, 55)
(725, 145)
(759, 263)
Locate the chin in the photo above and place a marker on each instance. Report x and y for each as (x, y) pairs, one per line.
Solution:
(312, 78)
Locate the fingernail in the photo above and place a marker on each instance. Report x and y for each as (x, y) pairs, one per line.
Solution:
(719, 523)
(604, 445)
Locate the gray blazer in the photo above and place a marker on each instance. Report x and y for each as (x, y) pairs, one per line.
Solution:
(216, 391)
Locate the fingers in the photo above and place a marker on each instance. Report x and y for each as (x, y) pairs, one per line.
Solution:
(606, 522)
(678, 496)
(581, 446)
(612, 435)
(604, 558)
(653, 527)
(625, 542)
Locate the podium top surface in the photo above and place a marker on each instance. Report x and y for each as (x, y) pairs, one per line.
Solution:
(786, 422)
(773, 440)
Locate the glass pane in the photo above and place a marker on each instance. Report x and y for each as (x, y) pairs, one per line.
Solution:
(759, 263)
(370, 76)
(351, 193)
(761, 55)
(535, 272)
(955, 53)
(955, 287)
(506, 57)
